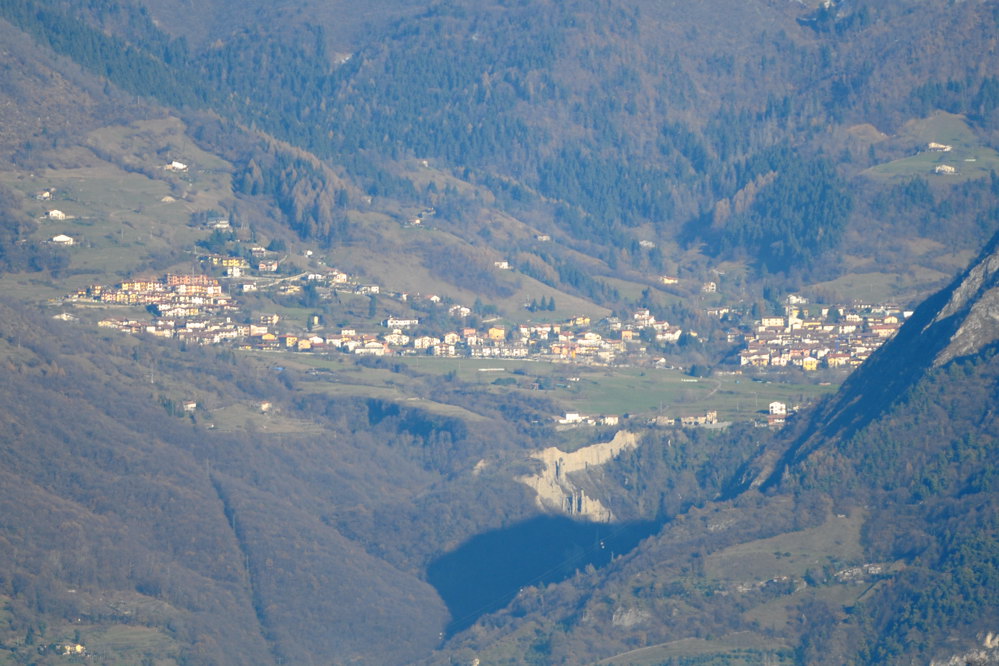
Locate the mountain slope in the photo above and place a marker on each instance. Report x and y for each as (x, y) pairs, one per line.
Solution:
(914, 435)
(608, 123)
(874, 540)
(118, 514)
(638, 147)
(956, 322)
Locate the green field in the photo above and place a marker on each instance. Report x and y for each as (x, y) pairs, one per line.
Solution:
(742, 648)
(778, 613)
(971, 159)
(836, 542)
(123, 209)
(592, 391)
(120, 644)
(628, 390)
(106, 643)
(337, 375)
(873, 287)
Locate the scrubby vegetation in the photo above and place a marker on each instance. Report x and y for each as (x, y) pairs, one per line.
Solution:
(163, 502)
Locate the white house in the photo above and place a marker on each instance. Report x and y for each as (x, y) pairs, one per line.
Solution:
(56, 214)
(399, 322)
(425, 342)
(669, 334)
(396, 338)
(63, 239)
(372, 348)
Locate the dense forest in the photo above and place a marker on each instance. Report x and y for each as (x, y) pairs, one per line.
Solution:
(167, 502)
(480, 92)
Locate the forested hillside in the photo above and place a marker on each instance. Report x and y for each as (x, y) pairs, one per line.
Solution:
(481, 169)
(119, 513)
(146, 530)
(873, 540)
(608, 122)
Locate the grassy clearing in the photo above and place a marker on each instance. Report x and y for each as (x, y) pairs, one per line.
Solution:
(401, 268)
(394, 394)
(739, 648)
(124, 209)
(971, 159)
(157, 141)
(633, 291)
(878, 287)
(632, 391)
(341, 377)
(591, 391)
(115, 645)
(34, 287)
(873, 287)
(669, 392)
(249, 417)
(119, 644)
(835, 542)
(779, 613)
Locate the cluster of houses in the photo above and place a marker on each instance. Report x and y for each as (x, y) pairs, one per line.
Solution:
(261, 260)
(709, 418)
(573, 340)
(174, 296)
(196, 308)
(942, 169)
(193, 308)
(826, 337)
(577, 419)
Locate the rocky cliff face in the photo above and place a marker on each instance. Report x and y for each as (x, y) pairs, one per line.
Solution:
(558, 491)
(987, 654)
(975, 301)
(958, 321)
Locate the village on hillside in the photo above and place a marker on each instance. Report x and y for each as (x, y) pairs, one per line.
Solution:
(201, 309)
(233, 294)
(826, 336)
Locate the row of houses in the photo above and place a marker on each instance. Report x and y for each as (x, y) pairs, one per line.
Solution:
(577, 419)
(686, 421)
(172, 296)
(194, 308)
(196, 331)
(830, 337)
